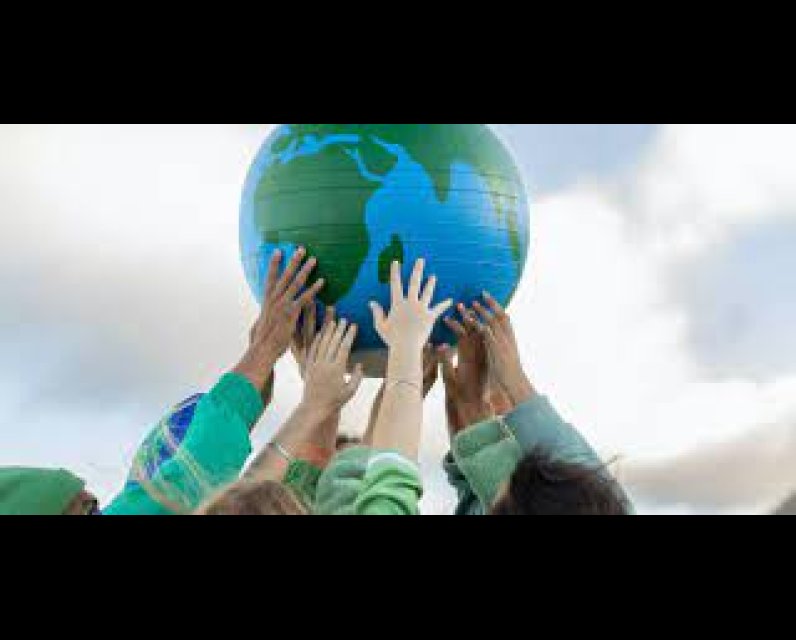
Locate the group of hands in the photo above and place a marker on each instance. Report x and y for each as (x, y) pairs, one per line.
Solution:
(487, 380)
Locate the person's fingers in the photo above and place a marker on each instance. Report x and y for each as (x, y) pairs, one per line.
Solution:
(441, 309)
(310, 325)
(379, 317)
(352, 388)
(490, 339)
(337, 340)
(273, 275)
(494, 305)
(416, 281)
(312, 356)
(456, 327)
(293, 317)
(309, 295)
(470, 320)
(301, 279)
(330, 316)
(290, 273)
(429, 291)
(326, 340)
(486, 317)
(396, 284)
(344, 352)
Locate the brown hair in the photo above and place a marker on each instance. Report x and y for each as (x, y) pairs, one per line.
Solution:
(252, 498)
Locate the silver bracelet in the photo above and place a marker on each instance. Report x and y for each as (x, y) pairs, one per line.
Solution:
(282, 452)
(406, 383)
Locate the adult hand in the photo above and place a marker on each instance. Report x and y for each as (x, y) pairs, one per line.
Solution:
(464, 407)
(411, 319)
(327, 387)
(472, 373)
(505, 362)
(282, 305)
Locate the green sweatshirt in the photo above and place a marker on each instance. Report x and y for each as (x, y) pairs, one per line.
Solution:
(366, 482)
(485, 456)
(212, 455)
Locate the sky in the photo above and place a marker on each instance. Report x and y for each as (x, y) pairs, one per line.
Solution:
(656, 311)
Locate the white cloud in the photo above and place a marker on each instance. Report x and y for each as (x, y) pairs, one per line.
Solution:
(122, 293)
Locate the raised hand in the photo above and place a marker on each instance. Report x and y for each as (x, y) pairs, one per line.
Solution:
(327, 387)
(472, 372)
(305, 335)
(406, 332)
(411, 319)
(505, 362)
(283, 301)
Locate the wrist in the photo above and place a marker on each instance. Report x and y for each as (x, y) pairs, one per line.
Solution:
(520, 390)
(257, 371)
(314, 413)
(405, 364)
(472, 413)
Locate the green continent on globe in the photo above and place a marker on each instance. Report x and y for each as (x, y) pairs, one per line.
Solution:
(436, 147)
(393, 253)
(332, 229)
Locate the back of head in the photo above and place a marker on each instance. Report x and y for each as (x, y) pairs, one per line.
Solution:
(38, 492)
(252, 498)
(542, 486)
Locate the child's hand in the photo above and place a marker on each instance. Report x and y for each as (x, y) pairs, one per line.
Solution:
(282, 306)
(327, 389)
(505, 362)
(411, 318)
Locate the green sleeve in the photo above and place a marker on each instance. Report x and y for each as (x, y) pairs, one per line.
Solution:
(303, 478)
(469, 504)
(537, 425)
(212, 455)
(365, 482)
(488, 454)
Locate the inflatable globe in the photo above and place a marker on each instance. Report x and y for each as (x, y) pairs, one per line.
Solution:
(360, 196)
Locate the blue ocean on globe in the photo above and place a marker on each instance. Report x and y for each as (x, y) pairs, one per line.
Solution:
(450, 194)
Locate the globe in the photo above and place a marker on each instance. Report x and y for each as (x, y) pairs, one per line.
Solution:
(360, 196)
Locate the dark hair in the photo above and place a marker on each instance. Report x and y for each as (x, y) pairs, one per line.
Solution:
(542, 486)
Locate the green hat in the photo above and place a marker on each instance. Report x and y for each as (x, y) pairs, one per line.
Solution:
(37, 492)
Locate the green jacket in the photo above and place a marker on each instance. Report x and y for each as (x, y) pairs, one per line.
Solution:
(366, 482)
(213, 454)
(485, 456)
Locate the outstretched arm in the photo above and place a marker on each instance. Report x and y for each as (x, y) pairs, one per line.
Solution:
(306, 443)
(218, 441)
(405, 332)
(430, 377)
